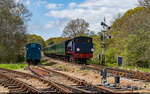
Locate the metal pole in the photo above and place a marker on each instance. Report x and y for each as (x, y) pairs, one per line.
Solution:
(103, 48)
(105, 28)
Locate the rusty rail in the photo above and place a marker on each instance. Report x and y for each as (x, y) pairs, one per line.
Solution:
(83, 82)
(124, 73)
(53, 84)
(119, 72)
(16, 86)
(43, 72)
(50, 83)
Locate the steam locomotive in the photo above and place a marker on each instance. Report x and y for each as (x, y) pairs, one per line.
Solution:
(77, 49)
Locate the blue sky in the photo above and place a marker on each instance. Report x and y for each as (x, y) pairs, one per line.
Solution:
(49, 17)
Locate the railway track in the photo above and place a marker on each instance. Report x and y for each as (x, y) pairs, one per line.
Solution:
(16, 86)
(119, 72)
(124, 73)
(11, 79)
(77, 87)
(81, 85)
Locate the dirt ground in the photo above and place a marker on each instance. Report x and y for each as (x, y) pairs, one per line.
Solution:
(93, 76)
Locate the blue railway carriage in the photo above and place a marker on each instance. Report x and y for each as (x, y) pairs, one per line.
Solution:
(33, 53)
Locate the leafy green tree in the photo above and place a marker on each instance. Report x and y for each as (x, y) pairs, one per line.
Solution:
(13, 19)
(144, 3)
(77, 27)
(97, 48)
(131, 35)
(35, 39)
(53, 40)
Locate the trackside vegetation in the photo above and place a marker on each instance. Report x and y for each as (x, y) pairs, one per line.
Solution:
(13, 66)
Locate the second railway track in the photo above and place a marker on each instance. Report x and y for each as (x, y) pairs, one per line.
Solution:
(116, 71)
(73, 84)
(17, 80)
(124, 73)
(79, 86)
(14, 85)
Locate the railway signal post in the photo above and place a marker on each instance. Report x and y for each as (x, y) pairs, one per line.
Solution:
(103, 37)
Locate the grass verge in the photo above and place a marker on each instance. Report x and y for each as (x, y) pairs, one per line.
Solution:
(13, 66)
(114, 65)
(129, 68)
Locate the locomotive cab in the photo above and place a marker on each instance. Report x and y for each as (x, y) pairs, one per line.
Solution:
(79, 48)
(83, 45)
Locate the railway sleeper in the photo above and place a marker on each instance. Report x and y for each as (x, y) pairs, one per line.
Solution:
(4, 84)
(22, 89)
(15, 89)
(18, 91)
(81, 89)
(12, 87)
(68, 77)
(7, 82)
(8, 85)
(4, 81)
(52, 88)
(48, 90)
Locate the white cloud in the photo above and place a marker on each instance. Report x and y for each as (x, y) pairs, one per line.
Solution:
(49, 25)
(93, 11)
(54, 6)
(40, 2)
(108, 3)
(51, 6)
(60, 24)
(72, 4)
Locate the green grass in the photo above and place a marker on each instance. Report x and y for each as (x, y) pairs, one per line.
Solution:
(129, 67)
(63, 67)
(114, 65)
(13, 66)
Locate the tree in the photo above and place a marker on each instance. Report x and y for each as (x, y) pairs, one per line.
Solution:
(131, 36)
(12, 30)
(35, 39)
(77, 27)
(55, 40)
(144, 3)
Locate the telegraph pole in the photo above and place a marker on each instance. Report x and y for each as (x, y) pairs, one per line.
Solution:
(103, 37)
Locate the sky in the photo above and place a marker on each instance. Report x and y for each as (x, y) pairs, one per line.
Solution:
(49, 17)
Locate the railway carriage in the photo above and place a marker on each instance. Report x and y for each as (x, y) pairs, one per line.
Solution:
(33, 53)
(76, 49)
